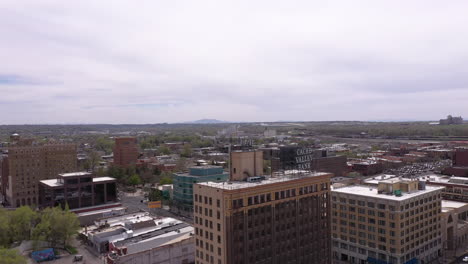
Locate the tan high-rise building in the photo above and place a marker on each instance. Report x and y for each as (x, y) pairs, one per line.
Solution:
(246, 164)
(398, 222)
(125, 152)
(27, 164)
(270, 220)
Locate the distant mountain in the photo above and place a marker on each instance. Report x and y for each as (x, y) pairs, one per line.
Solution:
(208, 121)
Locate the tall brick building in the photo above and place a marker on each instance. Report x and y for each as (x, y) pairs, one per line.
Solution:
(27, 163)
(270, 220)
(125, 152)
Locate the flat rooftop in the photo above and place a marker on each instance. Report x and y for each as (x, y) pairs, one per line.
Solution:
(101, 179)
(56, 183)
(286, 176)
(75, 174)
(51, 183)
(446, 204)
(157, 238)
(431, 177)
(371, 192)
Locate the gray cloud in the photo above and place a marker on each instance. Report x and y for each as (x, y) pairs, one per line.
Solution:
(122, 62)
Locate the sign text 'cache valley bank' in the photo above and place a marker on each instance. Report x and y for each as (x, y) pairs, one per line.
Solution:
(303, 158)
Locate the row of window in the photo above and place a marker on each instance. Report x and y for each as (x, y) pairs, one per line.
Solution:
(207, 200)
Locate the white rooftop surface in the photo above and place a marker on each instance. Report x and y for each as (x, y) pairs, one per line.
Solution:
(428, 177)
(100, 179)
(75, 174)
(157, 241)
(118, 222)
(288, 176)
(376, 179)
(52, 183)
(372, 192)
(452, 204)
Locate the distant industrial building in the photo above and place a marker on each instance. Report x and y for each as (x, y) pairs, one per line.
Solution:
(269, 133)
(366, 167)
(459, 163)
(183, 184)
(125, 152)
(397, 222)
(451, 120)
(28, 162)
(283, 218)
(77, 189)
(333, 164)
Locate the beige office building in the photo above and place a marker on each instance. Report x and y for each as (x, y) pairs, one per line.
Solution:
(27, 164)
(397, 222)
(269, 220)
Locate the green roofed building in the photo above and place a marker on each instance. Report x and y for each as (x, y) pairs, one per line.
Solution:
(183, 184)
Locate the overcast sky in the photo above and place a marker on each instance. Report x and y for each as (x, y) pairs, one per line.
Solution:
(172, 61)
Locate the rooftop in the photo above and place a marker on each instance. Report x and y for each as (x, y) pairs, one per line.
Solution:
(51, 183)
(157, 238)
(431, 177)
(372, 192)
(101, 179)
(283, 177)
(76, 174)
(452, 204)
(56, 183)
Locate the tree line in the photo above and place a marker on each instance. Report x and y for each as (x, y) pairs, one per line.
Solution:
(53, 225)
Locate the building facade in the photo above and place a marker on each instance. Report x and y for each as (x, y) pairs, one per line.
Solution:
(183, 184)
(246, 164)
(280, 219)
(125, 152)
(77, 189)
(454, 225)
(398, 222)
(26, 164)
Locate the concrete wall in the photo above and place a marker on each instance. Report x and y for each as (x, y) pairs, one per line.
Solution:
(246, 164)
(176, 253)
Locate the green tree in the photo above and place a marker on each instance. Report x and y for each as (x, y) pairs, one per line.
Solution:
(22, 221)
(11, 256)
(56, 226)
(187, 151)
(93, 160)
(155, 195)
(5, 238)
(105, 144)
(164, 150)
(134, 180)
(165, 180)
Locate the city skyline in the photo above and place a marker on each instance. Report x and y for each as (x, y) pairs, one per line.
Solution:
(91, 62)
